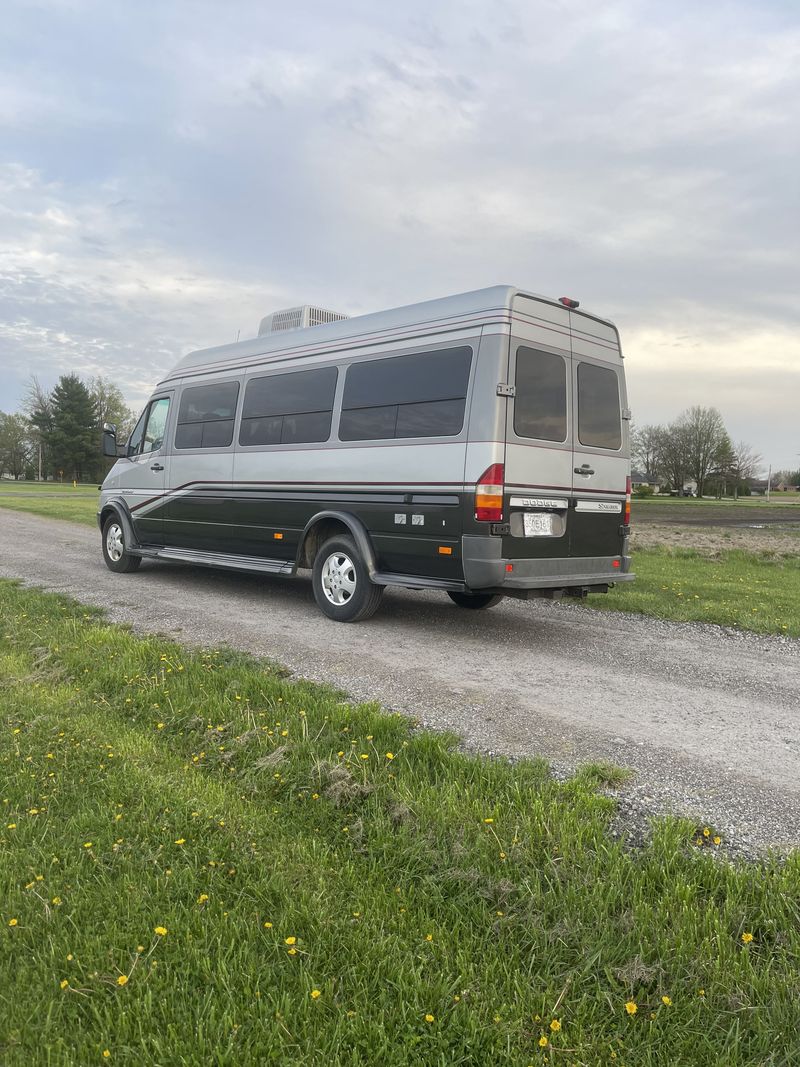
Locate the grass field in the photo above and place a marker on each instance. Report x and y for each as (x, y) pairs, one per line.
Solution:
(204, 862)
(52, 500)
(739, 589)
(750, 591)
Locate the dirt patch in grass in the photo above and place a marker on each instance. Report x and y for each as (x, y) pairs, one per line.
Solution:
(711, 541)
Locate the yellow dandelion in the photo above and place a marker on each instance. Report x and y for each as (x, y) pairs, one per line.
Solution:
(543, 1042)
(488, 820)
(180, 840)
(122, 980)
(555, 1025)
(631, 1007)
(666, 1001)
(161, 931)
(390, 755)
(701, 992)
(13, 922)
(268, 925)
(747, 938)
(106, 1054)
(429, 937)
(64, 983)
(290, 941)
(87, 844)
(202, 898)
(69, 955)
(429, 1018)
(706, 832)
(292, 951)
(717, 840)
(315, 993)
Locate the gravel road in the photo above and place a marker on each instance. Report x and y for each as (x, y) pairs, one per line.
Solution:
(708, 719)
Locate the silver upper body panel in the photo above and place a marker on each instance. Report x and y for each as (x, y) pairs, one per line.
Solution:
(482, 307)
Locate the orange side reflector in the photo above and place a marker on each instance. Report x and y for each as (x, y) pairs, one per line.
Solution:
(445, 551)
(278, 536)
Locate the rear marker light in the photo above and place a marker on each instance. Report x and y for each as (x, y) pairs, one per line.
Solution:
(626, 515)
(489, 494)
(568, 302)
(445, 551)
(509, 567)
(615, 563)
(278, 536)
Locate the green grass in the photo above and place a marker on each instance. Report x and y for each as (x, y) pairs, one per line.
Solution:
(740, 589)
(448, 909)
(63, 488)
(52, 500)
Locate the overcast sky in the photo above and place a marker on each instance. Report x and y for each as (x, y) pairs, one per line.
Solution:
(170, 172)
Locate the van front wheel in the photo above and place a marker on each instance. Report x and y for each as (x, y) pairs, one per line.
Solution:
(115, 550)
(342, 588)
(476, 600)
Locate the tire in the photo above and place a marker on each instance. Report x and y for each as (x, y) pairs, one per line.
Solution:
(340, 579)
(115, 552)
(476, 601)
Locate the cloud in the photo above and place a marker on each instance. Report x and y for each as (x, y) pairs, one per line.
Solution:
(171, 177)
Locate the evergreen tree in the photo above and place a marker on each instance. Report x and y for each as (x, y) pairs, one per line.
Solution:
(74, 439)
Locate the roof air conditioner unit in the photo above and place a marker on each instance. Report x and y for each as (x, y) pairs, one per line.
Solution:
(297, 319)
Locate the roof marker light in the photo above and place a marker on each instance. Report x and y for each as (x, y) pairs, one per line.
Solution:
(568, 302)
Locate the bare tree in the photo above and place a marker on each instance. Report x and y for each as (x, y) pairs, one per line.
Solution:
(675, 454)
(647, 450)
(745, 465)
(707, 442)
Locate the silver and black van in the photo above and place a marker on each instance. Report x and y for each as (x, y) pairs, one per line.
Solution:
(476, 444)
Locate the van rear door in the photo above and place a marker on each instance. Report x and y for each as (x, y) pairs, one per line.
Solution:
(600, 439)
(538, 454)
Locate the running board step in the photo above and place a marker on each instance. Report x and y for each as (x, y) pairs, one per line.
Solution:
(413, 581)
(220, 559)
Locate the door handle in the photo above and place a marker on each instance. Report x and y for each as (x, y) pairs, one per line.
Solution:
(156, 467)
(583, 470)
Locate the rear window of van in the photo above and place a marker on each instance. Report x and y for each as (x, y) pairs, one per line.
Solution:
(598, 406)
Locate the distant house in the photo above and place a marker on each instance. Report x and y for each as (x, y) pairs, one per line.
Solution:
(638, 479)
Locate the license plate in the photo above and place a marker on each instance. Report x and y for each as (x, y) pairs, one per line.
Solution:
(537, 524)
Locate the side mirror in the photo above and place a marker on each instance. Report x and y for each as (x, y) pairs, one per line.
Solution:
(109, 441)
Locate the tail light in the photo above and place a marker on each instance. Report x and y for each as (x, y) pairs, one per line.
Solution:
(626, 515)
(489, 494)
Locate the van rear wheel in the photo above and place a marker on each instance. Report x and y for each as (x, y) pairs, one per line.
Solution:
(340, 579)
(476, 601)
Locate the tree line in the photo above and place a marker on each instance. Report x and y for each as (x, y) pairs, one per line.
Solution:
(695, 447)
(57, 433)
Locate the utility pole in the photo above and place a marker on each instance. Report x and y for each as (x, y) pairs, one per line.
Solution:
(769, 481)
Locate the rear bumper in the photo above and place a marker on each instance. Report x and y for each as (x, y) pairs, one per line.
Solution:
(485, 568)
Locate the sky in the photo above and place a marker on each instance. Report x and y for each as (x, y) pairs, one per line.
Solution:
(171, 172)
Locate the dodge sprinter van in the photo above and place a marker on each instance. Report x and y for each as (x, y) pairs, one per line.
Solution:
(476, 444)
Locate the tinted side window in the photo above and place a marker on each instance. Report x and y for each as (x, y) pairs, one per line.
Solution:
(598, 407)
(540, 406)
(422, 395)
(292, 408)
(205, 417)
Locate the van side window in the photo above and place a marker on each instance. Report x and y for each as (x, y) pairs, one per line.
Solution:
(421, 395)
(293, 408)
(148, 434)
(540, 406)
(205, 417)
(598, 407)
